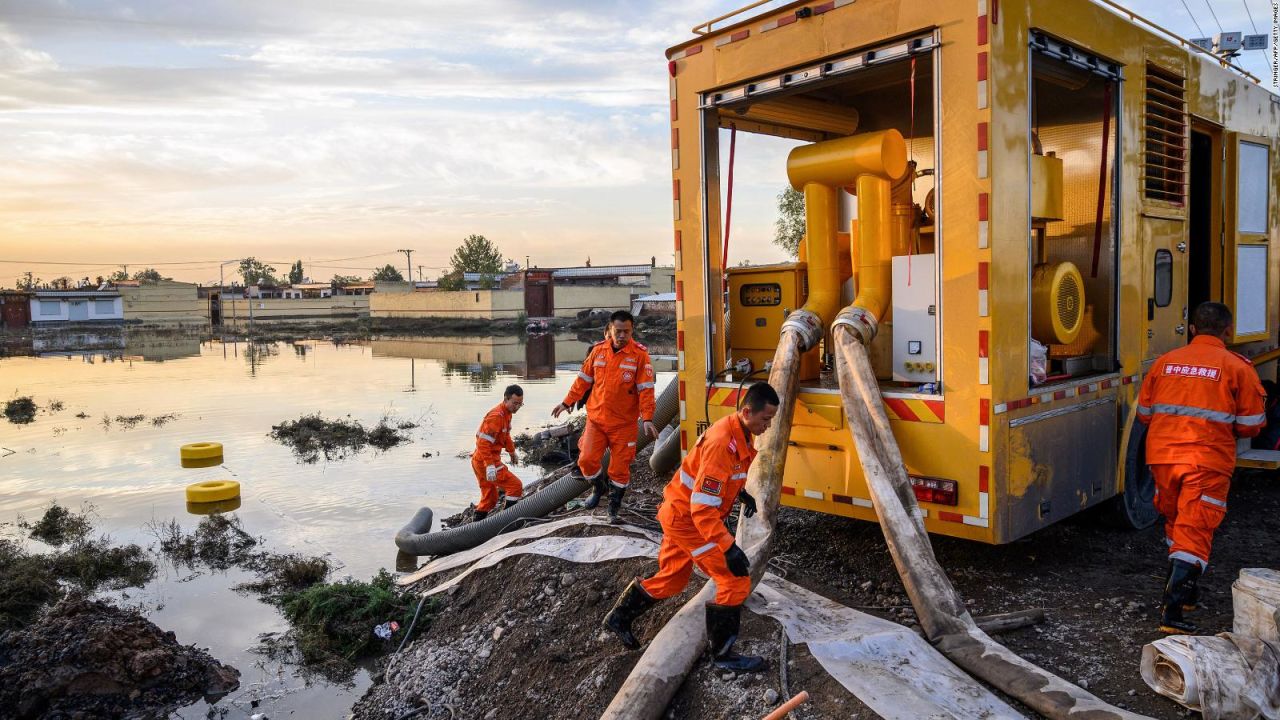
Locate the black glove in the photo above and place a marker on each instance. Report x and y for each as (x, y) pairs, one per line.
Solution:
(748, 503)
(737, 561)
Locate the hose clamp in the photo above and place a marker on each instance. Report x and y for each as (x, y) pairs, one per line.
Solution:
(860, 321)
(807, 325)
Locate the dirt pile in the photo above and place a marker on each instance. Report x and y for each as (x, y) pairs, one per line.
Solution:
(312, 436)
(108, 663)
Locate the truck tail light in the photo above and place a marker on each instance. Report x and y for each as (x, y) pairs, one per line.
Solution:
(935, 490)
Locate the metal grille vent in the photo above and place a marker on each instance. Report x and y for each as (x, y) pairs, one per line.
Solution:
(1165, 125)
(1069, 302)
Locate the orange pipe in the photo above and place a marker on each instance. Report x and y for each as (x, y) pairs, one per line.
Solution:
(786, 707)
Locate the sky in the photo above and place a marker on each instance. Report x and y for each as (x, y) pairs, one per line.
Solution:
(144, 132)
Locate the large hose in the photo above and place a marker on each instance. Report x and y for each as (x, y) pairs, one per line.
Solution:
(415, 538)
(943, 616)
(666, 452)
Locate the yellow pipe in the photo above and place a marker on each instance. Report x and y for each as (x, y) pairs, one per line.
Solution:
(822, 220)
(875, 246)
(839, 162)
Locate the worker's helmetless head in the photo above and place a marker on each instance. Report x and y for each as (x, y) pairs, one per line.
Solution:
(759, 406)
(620, 327)
(513, 398)
(1213, 319)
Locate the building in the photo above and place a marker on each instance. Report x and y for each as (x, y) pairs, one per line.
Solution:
(70, 306)
(642, 279)
(15, 309)
(298, 291)
(162, 302)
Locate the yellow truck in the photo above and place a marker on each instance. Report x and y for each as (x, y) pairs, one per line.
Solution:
(1076, 180)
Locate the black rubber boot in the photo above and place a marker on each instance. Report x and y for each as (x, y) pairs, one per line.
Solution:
(722, 632)
(598, 489)
(479, 515)
(508, 502)
(1177, 592)
(615, 504)
(633, 603)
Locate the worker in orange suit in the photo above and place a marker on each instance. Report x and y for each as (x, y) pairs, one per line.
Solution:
(492, 438)
(694, 507)
(1196, 401)
(616, 382)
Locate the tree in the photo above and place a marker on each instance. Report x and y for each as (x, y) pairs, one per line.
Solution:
(345, 279)
(477, 254)
(117, 276)
(295, 273)
(452, 281)
(788, 229)
(387, 273)
(255, 272)
(62, 283)
(149, 274)
(27, 282)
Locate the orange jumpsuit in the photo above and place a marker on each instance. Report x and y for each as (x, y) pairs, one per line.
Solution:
(1196, 400)
(694, 506)
(492, 438)
(621, 385)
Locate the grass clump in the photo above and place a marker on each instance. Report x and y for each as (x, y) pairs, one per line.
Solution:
(20, 411)
(219, 542)
(279, 575)
(312, 437)
(58, 526)
(30, 582)
(336, 620)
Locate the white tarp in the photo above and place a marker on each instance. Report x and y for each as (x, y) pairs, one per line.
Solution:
(573, 549)
(466, 557)
(1224, 677)
(887, 666)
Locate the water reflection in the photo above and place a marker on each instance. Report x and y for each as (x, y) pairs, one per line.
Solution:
(233, 392)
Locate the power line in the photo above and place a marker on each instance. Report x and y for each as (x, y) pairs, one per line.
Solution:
(1214, 14)
(1193, 18)
(204, 263)
(1250, 14)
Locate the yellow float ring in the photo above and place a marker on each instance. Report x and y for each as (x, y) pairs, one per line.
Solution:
(213, 491)
(206, 463)
(209, 508)
(201, 451)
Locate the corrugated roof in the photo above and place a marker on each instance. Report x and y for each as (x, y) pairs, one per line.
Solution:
(602, 271)
(660, 297)
(51, 294)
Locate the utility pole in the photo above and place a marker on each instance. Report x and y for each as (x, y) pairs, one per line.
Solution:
(419, 273)
(408, 261)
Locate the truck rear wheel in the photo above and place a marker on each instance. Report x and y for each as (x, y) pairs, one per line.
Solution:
(1134, 507)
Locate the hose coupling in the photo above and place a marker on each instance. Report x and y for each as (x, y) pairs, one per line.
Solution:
(807, 325)
(860, 321)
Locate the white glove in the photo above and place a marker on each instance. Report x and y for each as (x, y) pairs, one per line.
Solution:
(491, 473)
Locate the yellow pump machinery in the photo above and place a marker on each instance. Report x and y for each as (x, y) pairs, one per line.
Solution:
(1062, 209)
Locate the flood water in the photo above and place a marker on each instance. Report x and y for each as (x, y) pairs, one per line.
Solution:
(233, 393)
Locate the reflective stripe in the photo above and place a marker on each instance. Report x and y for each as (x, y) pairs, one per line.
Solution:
(738, 476)
(1213, 501)
(1194, 412)
(514, 497)
(485, 436)
(1168, 542)
(600, 363)
(586, 377)
(627, 367)
(1144, 411)
(631, 444)
(644, 386)
(703, 549)
(1251, 419)
(686, 479)
(617, 484)
(1188, 557)
(700, 498)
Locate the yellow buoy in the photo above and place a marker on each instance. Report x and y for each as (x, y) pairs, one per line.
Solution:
(201, 451)
(211, 491)
(209, 508)
(207, 462)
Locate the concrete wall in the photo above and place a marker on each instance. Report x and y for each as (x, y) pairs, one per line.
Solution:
(164, 303)
(571, 299)
(235, 311)
(459, 304)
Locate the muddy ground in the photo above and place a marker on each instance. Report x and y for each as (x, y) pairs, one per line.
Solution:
(521, 639)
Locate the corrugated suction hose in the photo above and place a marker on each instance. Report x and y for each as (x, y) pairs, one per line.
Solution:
(416, 537)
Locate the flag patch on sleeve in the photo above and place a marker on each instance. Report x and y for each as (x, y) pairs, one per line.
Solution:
(711, 486)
